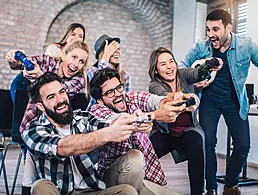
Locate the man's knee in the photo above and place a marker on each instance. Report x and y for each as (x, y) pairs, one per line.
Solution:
(135, 159)
(127, 190)
(211, 142)
(43, 186)
(40, 184)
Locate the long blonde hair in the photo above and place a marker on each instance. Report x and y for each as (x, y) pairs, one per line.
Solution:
(82, 45)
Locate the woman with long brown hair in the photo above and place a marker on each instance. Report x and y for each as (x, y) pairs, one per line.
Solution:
(185, 134)
(74, 32)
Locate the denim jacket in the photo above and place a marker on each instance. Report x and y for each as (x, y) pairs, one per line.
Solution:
(241, 52)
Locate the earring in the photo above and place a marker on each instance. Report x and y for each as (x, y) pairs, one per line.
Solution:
(156, 72)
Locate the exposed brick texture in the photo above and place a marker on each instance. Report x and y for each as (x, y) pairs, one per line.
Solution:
(142, 26)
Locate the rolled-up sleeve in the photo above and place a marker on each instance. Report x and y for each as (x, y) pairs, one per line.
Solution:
(154, 102)
(41, 142)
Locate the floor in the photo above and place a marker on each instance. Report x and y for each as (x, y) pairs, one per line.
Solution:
(176, 175)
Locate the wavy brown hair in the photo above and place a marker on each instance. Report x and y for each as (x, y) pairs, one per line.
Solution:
(153, 71)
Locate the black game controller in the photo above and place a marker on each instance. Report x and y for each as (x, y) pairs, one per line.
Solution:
(188, 102)
(204, 69)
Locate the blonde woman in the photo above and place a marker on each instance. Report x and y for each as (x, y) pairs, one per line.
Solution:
(70, 68)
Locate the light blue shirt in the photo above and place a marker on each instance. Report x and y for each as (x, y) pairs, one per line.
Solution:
(241, 52)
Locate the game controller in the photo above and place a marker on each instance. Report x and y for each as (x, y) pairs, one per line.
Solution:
(27, 63)
(204, 69)
(188, 102)
(143, 119)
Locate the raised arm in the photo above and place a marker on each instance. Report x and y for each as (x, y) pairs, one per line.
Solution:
(74, 85)
(43, 143)
(191, 57)
(14, 64)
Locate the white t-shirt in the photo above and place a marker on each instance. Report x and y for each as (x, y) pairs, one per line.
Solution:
(79, 183)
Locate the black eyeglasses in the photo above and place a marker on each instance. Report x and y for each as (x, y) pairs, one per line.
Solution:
(111, 92)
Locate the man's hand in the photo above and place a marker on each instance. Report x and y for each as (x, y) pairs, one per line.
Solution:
(121, 129)
(206, 83)
(33, 74)
(110, 49)
(216, 68)
(202, 84)
(167, 112)
(144, 127)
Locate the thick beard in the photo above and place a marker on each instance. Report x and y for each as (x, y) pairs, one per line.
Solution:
(63, 118)
(224, 41)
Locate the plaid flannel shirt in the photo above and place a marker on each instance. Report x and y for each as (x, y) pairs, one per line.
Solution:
(42, 137)
(104, 64)
(72, 85)
(109, 152)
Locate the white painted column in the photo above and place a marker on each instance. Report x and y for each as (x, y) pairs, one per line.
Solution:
(184, 27)
(201, 13)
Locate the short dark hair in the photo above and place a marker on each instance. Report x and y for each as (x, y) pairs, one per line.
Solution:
(34, 87)
(99, 78)
(220, 14)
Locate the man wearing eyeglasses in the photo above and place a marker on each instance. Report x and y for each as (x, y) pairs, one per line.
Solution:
(59, 142)
(132, 161)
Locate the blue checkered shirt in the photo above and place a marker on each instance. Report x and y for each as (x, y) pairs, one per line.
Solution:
(41, 139)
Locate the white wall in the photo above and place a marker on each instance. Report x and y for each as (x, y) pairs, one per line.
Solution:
(201, 12)
(252, 32)
(184, 27)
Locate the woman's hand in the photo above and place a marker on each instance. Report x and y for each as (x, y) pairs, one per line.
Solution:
(197, 102)
(33, 74)
(175, 95)
(110, 49)
(9, 57)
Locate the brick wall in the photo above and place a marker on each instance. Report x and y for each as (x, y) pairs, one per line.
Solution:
(141, 25)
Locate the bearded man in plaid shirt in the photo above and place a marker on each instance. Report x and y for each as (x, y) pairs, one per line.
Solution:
(132, 161)
(59, 142)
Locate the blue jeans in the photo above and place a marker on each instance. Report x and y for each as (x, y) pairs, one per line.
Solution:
(211, 108)
(19, 83)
